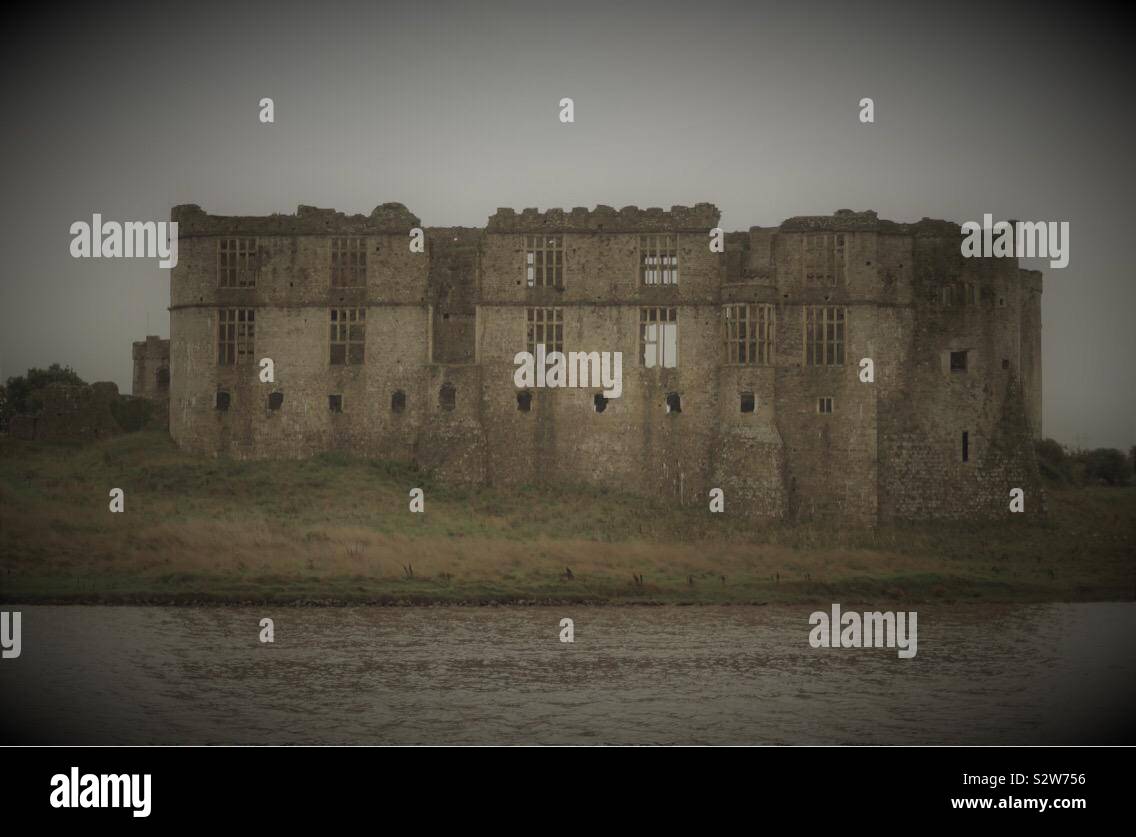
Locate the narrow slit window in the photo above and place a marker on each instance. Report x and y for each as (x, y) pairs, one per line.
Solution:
(965, 446)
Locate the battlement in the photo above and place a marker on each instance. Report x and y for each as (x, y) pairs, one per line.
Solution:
(699, 218)
(385, 219)
(847, 220)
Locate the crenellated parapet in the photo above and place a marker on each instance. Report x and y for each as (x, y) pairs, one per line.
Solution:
(630, 219)
(385, 219)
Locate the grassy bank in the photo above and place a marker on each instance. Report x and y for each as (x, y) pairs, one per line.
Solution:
(338, 530)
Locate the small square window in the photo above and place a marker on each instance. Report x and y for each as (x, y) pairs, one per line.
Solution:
(398, 401)
(958, 361)
(1005, 363)
(674, 403)
(747, 402)
(599, 402)
(223, 400)
(275, 400)
(335, 403)
(524, 401)
(824, 406)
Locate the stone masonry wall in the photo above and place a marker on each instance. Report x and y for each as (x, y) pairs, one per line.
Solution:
(442, 328)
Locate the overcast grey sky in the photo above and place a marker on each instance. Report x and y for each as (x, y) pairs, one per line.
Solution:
(1023, 111)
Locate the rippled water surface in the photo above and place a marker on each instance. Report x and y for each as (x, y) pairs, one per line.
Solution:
(716, 675)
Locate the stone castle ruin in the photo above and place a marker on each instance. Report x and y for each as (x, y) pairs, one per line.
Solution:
(742, 370)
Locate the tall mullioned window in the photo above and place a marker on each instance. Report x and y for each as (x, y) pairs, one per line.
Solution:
(824, 259)
(544, 326)
(544, 261)
(236, 262)
(348, 336)
(658, 259)
(748, 334)
(658, 337)
(236, 334)
(348, 262)
(824, 335)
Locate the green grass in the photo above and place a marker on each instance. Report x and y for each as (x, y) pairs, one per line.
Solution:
(334, 529)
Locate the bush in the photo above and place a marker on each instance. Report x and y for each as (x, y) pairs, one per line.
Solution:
(1107, 465)
(132, 414)
(1053, 462)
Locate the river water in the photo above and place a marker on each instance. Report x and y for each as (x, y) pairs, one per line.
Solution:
(984, 674)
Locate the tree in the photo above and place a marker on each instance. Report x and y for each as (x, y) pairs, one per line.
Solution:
(19, 394)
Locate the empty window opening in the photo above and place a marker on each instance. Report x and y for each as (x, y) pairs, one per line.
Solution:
(237, 262)
(335, 403)
(965, 446)
(223, 400)
(163, 378)
(544, 261)
(447, 396)
(599, 402)
(544, 327)
(823, 259)
(958, 361)
(824, 336)
(748, 333)
(348, 262)
(1005, 363)
(658, 337)
(275, 400)
(348, 336)
(658, 259)
(524, 401)
(747, 402)
(398, 401)
(824, 406)
(674, 403)
(236, 335)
